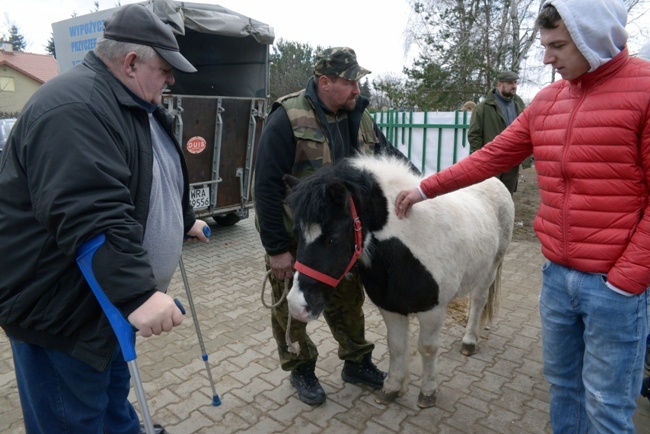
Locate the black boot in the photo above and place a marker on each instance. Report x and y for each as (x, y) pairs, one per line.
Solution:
(304, 380)
(363, 372)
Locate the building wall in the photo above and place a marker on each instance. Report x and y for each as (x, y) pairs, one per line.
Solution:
(14, 101)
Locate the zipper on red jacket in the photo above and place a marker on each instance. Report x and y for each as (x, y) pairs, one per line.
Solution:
(565, 243)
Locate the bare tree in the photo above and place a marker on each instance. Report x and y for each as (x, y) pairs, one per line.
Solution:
(638, 23)
(463, 44)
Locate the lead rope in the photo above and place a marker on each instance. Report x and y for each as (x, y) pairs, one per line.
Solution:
(294, 347)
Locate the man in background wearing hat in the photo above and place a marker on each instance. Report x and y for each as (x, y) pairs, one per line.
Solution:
(92, 153)
(493, 115)
(306, 130)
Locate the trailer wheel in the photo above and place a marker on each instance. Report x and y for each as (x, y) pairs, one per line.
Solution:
(226, 219)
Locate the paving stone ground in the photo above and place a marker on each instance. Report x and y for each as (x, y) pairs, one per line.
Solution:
(499, 390)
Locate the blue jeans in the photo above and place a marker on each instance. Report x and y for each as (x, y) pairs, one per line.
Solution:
(60, 394)
(593, 348)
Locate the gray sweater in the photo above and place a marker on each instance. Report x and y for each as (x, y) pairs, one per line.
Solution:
(163, 237)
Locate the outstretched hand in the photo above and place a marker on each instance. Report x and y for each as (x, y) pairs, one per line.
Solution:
(405, 200)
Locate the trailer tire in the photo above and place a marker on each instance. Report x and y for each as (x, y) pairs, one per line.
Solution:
(226, 219)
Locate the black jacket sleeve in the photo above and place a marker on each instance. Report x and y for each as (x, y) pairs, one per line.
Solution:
(275, 157)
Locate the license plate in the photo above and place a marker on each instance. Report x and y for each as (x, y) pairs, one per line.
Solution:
(200, 197)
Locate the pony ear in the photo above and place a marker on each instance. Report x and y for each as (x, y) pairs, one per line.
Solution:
(290, 180)
(338, 193)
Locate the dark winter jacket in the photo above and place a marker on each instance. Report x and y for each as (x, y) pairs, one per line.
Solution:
(488, 122)
(78, 163)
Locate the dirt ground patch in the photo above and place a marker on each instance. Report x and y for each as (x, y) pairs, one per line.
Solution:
(526, 200)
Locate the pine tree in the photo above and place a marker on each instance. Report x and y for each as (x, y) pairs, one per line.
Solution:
(50, 46)
(292, 63)
(16, 39)
(365, 88)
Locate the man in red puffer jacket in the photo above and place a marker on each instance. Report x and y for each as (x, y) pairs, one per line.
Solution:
(590, 136)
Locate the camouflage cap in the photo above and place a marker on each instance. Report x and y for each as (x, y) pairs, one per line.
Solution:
(341, 61)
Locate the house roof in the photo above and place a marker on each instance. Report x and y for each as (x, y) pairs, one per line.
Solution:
(39, 67)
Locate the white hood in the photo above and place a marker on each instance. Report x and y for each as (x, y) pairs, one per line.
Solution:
(597, 27)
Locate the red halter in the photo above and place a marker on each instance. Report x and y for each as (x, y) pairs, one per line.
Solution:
(358, 249)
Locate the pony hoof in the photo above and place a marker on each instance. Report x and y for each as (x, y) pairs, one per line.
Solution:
(425, 401)
(385, 398)
(469, 349)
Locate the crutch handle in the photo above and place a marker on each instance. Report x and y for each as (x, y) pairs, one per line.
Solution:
(180, 306)
(122, 328)
(206, 231)
(120, 325)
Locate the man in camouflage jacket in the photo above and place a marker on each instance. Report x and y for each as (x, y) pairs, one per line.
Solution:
(306, 130)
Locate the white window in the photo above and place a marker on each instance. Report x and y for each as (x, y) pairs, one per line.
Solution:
(7, 84)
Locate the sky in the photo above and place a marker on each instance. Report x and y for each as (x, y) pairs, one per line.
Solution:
(373, 31)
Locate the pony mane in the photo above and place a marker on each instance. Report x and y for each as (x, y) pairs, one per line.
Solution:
(312, 198)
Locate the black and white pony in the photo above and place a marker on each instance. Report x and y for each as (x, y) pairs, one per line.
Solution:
(450, 246)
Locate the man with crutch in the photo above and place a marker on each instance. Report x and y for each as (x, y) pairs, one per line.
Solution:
(92, 153)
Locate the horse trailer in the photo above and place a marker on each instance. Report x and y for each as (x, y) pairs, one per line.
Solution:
(218, 111)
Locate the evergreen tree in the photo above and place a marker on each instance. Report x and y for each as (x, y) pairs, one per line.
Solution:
(292, 63)
(16, 40)
(50, 46)
(365, 88)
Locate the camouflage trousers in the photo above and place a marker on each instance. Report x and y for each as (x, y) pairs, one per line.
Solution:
(344, 315)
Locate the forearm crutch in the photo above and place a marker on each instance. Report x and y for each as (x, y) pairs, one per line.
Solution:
(120, 325)
(204, 355)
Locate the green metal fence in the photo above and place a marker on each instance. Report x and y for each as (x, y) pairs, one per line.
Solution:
(431, 140)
